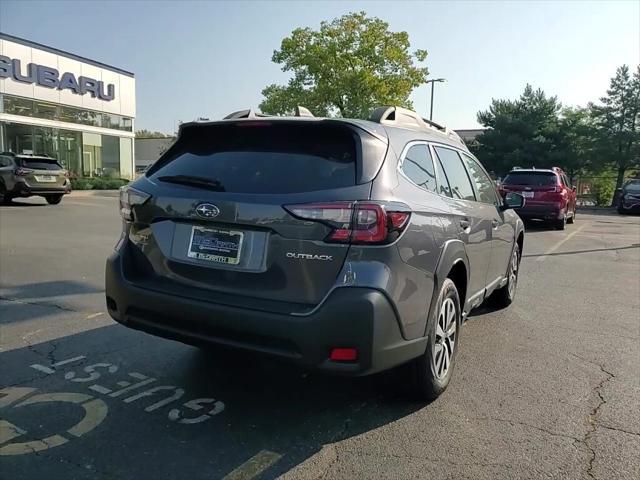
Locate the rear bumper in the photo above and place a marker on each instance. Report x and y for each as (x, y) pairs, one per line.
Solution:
(542, 211)
(629, 204)
(21, 189)
(360, 318)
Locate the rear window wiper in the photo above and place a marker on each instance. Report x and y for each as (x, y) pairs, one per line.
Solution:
(193, 181)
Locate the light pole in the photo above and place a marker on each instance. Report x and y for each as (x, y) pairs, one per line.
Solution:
(432, 83)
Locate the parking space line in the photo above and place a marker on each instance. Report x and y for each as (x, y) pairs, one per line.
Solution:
(555, 247)
(254, 466)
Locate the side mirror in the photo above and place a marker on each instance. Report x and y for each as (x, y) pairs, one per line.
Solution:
(513, 200)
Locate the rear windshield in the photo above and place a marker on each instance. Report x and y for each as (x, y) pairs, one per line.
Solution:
(264, 157)
(40, 164)
(536, 179)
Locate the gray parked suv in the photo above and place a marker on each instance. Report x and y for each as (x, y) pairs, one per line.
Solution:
(344, 245)
(29, 175)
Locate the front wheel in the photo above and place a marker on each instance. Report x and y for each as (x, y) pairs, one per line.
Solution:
(504, 296)
(431, 372)
(5, 198)
(54, 199)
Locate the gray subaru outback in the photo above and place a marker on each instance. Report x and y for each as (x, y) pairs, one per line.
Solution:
(347, 246)
(29, 175)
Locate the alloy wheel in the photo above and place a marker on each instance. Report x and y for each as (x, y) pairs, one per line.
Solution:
(445, 338)
(513, 274)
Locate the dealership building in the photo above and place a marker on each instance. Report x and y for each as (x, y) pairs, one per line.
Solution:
(77, 110)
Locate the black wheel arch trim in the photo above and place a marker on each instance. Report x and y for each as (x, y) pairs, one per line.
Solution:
(453, 251)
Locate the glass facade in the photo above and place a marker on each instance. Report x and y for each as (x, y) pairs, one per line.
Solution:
(26, 107)
(84, 154)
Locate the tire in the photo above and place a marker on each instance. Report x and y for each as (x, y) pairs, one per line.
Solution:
(5, 199)
(431, 372)
(621, 210)
(54, 199)
(504, 296)
(560, 224)
(572, 219)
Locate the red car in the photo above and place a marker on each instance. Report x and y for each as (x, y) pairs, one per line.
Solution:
(548, 194)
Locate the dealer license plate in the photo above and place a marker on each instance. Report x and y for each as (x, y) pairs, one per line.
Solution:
(45, 178)
(215, 245)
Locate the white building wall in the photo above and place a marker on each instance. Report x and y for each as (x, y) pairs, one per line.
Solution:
(124, 102)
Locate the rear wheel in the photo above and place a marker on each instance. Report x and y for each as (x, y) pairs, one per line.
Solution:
(54, 199)
(561, 223)
(431, 372)
(504, 296)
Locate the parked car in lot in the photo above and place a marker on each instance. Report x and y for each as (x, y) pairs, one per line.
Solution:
(348, 246)
(547, 192)
(630, 197)
(30, 175)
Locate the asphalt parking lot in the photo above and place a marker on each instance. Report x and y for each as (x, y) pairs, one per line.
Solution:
(549, 388)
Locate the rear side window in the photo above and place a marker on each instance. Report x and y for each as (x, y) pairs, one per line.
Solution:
(459, 183)
(533, 179)
(40, 164)
(484, 186)
(417, 165)
(264, 157)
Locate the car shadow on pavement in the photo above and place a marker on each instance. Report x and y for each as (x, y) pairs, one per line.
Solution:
(202, 414)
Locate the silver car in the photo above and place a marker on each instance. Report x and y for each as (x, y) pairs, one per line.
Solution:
(28, 175)
(343, 245)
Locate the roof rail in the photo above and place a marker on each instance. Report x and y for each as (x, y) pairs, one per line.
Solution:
(299, 111)
(244, 114)
(408, 118)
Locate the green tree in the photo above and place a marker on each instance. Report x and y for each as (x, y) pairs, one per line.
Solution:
(149, 134)
(617, 122)
(576, 141)
(348, 67)
(524, 132)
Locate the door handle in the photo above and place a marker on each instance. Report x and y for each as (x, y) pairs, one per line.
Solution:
(464, 224)
(494, 223)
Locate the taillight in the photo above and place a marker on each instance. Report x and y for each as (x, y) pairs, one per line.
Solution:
(21, 172)
(129, 198)
(355, 222)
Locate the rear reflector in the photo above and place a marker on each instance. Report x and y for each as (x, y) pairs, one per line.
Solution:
(356, 222)
(344, 355)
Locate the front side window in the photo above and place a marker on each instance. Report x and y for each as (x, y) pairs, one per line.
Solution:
(485, 190)
(456, 174)
(418, 167)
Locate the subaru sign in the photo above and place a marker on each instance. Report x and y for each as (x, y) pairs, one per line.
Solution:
(52, 78)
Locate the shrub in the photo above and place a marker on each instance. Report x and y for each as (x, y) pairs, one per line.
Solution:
(98, 183)
(603, 189)
(81, 184)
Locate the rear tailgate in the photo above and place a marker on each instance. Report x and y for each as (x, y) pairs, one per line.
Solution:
(42, 173)
(232, 240)
(535, 187)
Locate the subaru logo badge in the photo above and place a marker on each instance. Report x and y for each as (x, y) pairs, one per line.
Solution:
(207, 210)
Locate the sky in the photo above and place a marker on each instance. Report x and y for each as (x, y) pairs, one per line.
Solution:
(209, 58)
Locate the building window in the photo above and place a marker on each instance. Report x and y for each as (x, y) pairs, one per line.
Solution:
(29, 108)
(18, 106)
